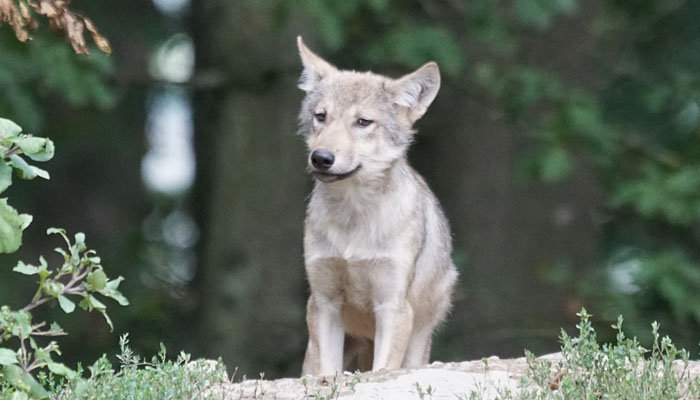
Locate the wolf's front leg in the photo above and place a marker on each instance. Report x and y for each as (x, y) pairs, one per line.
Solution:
(394, 323)
(328, 333)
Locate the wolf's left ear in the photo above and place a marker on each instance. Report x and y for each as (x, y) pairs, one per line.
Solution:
(315, 68)
(417, 90)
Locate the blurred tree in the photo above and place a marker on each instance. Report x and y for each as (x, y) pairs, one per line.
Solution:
(250, 187)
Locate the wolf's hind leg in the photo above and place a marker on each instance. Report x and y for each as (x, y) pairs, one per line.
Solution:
(418, 351)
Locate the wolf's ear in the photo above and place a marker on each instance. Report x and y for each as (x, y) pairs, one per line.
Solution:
(315, 68)
(417, 90)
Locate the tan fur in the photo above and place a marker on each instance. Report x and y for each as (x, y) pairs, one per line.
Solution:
(377, 246)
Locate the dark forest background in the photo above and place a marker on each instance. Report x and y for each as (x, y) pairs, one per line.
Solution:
(564, 146)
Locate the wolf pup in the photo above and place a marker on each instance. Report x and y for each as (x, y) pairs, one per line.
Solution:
(376, 243)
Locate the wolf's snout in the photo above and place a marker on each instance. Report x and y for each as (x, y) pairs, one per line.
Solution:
(322, 159)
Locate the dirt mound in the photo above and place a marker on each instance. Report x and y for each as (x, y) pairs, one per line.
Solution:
(434, 381)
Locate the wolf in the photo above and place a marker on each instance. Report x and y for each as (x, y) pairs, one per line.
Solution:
(377, 246)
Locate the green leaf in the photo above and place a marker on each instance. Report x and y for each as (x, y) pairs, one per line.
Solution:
(52, 231)
(19, 396)
(40, 172)
(25, 220)
(23, 325)
(60, 369)
(11, 226)
(114, 283)
(31, 144)
(66, 304)
(46, 152)
(97, 279)
(5, 175)
(111, 291)
(23, 169)
(108, 320)
(59, 231)
(25, 269)
(63, 253)
(96, 304)
(24, 381)
(80, 388)
(80, 241)
(8, 128)
(117, 296)
(7, 356)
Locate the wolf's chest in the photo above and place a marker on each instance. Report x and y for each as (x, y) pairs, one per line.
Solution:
(355, 283)
(358, 241)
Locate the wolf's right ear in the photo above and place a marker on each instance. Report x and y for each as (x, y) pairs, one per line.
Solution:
(315, 68)
(417, 90)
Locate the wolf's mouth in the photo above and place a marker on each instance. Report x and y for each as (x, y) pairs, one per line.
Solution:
(327, 177)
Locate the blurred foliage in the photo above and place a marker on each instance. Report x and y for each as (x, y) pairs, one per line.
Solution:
(632, 115)
(47, 67)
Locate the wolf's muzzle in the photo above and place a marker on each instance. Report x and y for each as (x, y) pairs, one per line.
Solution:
(326, 177)
(322, 159)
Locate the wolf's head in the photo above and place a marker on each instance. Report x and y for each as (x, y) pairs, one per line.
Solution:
(357, 124)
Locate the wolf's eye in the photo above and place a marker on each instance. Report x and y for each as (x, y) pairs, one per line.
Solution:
(320, 116)
(364, 122)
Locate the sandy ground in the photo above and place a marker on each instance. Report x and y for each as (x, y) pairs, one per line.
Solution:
(433, 382)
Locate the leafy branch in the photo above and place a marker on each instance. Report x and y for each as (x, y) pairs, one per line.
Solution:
(80, 277)
(13, 146)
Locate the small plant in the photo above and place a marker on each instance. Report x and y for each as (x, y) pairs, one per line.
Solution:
(140, 378)
(354, 380)
(620, 370)
(259, 391)
(336, 386)
(426, 393)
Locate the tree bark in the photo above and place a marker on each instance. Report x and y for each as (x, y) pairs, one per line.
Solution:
(250, 191)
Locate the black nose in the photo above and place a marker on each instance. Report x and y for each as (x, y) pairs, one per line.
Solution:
(322, 159)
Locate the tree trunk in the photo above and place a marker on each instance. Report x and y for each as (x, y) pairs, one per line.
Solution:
(251, 189)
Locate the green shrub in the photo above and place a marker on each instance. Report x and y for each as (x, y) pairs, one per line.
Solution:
(80, 276)
(138, 378)
(620, 370)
